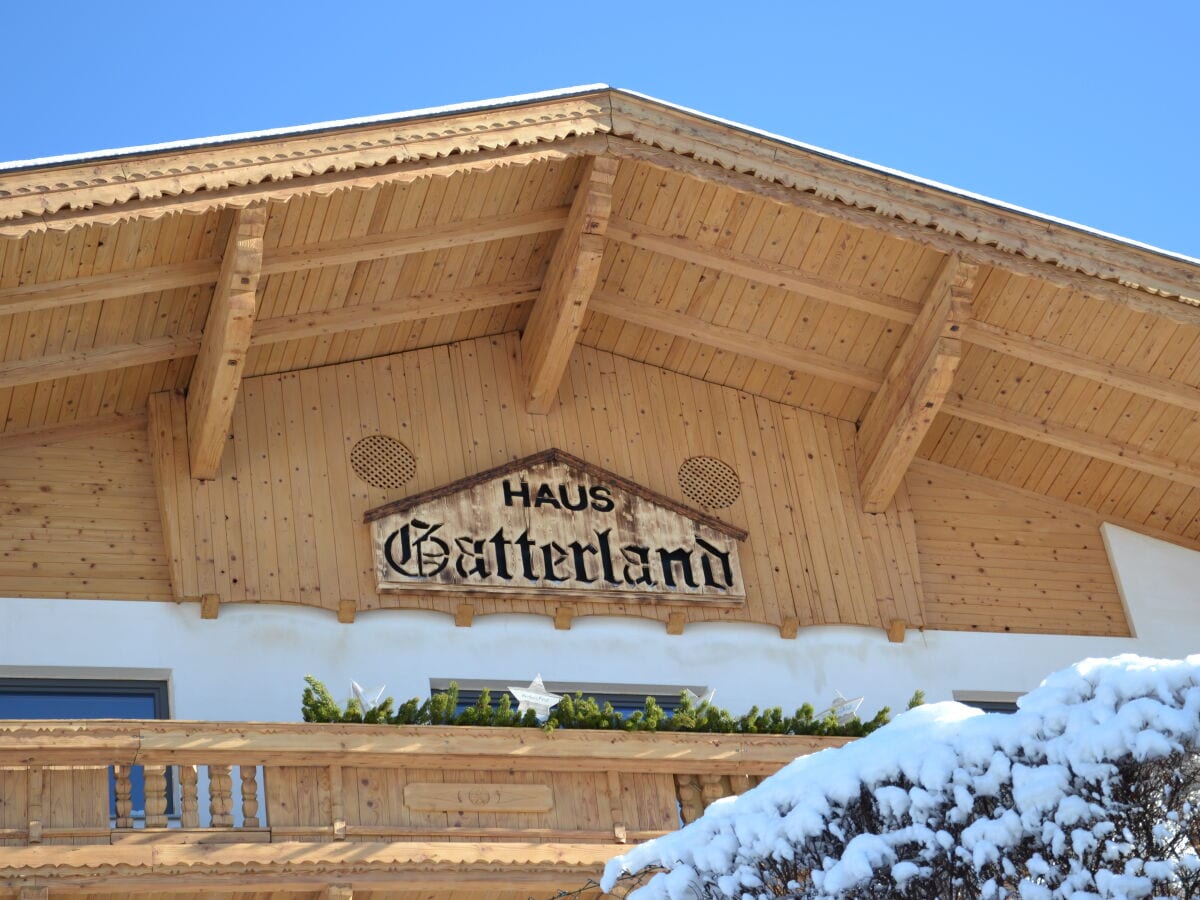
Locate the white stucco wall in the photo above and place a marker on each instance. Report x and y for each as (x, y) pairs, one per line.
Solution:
(249, 663)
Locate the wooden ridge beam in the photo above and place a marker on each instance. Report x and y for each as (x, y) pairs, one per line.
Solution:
(762, 271)
(763, 349)
(217, 375)
(91, 288)
(559, 311)
(1063, 359)
(918, 379)
(1066, 437)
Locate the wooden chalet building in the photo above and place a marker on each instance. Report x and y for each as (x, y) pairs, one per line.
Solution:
(579, 383)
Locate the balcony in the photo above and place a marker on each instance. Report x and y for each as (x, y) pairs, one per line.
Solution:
(333, 809)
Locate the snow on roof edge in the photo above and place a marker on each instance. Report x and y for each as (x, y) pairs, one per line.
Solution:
(296, 130)
(517, 99)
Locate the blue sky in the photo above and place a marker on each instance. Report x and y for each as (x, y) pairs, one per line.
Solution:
(1088, 111)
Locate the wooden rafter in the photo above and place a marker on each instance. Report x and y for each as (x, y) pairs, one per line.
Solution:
(90, 288)
(753, 346)
(1063, 359)
(762, 271)
(558, 314)
(217, 375)
(1076, 440)
(266, 331)
(917, 381)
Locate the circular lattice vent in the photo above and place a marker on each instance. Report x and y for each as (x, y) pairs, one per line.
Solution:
(383, 462)
(708, 482)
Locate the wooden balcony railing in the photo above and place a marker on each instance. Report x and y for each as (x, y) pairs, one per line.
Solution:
(227, 805)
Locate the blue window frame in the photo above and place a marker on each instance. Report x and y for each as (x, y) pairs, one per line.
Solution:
(91, 698)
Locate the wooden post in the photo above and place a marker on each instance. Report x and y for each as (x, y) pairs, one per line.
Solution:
(789, 628)
(249, 795)
(337, 806)
(34, 803)
(155, 780)
(895, 631)
(562, 618)
(189, 812)
(346, 611)
(124, 792)
(464, 615)
(691, 803)
(220, 801)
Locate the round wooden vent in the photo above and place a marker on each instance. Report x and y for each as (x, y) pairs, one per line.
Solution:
(383, 462)
(708, 482)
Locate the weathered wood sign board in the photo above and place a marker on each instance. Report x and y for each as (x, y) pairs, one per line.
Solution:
(553, 524)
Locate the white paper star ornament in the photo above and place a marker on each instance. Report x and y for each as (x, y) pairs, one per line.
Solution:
(367, 699)
(534, 697)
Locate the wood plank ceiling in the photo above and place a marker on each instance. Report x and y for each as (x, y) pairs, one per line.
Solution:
(1073, 387)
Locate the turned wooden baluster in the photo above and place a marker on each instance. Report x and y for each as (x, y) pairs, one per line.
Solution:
(189, 811)
(249, 796)
(124, 792)
(220, 800)
(691, 805)
(712, 787)
(156, 796)
(739, 784)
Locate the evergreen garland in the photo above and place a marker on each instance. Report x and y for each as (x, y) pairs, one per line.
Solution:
(577, 711)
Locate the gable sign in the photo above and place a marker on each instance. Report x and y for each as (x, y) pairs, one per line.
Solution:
(552, 524)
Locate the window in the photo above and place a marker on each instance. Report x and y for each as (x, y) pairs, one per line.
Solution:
(38, 697)
(625, 698)
(990, 701)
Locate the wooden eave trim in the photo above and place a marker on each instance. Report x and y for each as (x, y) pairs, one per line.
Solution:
(68, 195)
(895, 197)
(1143, 301)
(237, 196)
(554, 455)
(557, 316)
(36, 198)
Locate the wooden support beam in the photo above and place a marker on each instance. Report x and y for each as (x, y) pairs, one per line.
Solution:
(464, 615)
(210, 606)
(558, 314)
(217, 375)
(917, 381)
(676, 622)
(346, 611)
(167, 435)
(562, 618)
(895, 631)
(762, 271)
(1076, 440)
(97, 359)
(1063, 359)
(763, 349)
(789, 628)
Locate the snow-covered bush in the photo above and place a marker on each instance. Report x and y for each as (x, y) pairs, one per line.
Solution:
(1089, 791)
